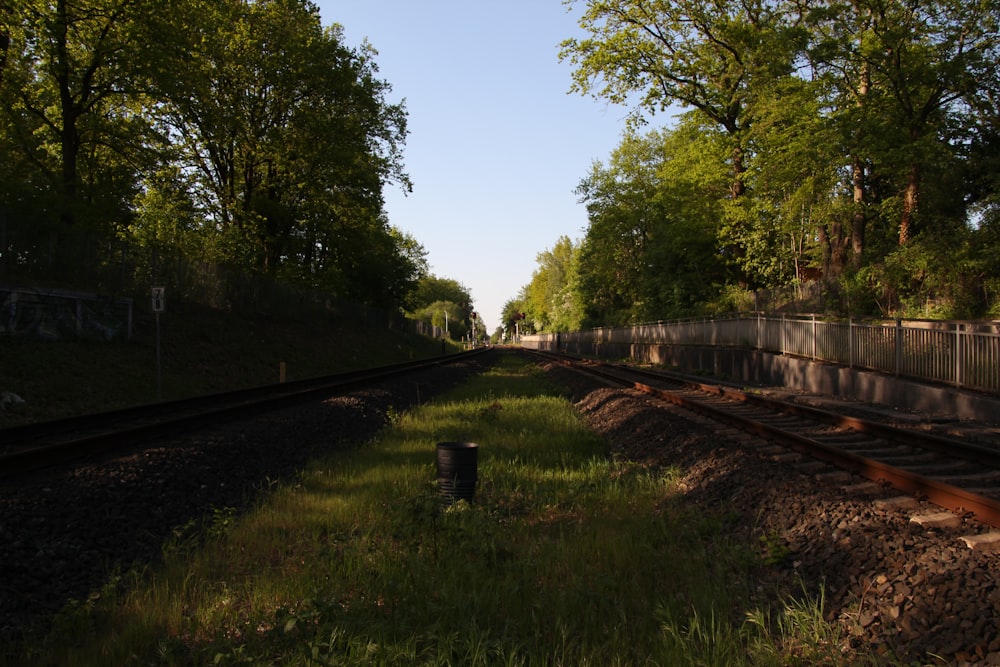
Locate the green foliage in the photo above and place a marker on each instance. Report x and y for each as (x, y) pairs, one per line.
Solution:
(938, 278)
(877, 173)
(752, 238)
(773, 548)
(731, 299)
(549, 299)
(232, 133)
(514, 316)
(431, 288)
(71, 91)
(433, 296)
(654, 230)
(447, 316)
(292, 139)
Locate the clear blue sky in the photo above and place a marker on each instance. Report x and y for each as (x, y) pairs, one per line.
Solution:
(497, 144)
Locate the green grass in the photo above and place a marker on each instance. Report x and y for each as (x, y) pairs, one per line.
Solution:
(566, 557)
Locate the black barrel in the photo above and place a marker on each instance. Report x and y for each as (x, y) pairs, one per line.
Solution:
(457, 464)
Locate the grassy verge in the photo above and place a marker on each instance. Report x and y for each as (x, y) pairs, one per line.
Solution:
(202, 351)
(566, 557)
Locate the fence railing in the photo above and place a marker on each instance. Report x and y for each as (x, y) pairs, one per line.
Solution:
(58, 314)
(963, 354)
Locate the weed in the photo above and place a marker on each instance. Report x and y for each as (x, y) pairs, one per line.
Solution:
(566, 556)
(774, 550)
(393, 416)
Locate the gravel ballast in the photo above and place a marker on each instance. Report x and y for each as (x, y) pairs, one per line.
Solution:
(61, 532)
(913, 595)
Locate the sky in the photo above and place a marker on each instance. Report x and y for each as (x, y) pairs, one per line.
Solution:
(496, 142)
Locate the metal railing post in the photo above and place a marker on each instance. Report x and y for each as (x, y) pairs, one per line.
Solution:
(958, 355)
(783, 333)
(814, 336)
(850, 342)
(899, 346)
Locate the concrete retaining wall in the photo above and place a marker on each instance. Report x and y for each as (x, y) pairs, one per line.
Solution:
(765, 369)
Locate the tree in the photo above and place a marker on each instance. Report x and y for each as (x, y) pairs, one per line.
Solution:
(706, 56)
(853, 127)
(514, 317)
(431, 288)
(447, 316)
(290, 136)
(228, 131)
(407, 265)
(904, 73)
(72, 88)
(433, 295)
(652, 247)
(550, 296)
(801, 204)
(688, 255)
(611, 256)
(710, 57)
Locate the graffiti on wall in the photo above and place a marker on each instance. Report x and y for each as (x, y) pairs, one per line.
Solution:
(49, 314)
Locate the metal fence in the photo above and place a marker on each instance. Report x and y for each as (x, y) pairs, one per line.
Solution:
(58, 314)
(963, 354)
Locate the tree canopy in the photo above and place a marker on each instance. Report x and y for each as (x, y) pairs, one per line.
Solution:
(242, 134)
(443, 302)
(850, 142)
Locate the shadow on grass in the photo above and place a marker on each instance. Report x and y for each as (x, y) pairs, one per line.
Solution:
(565, 557)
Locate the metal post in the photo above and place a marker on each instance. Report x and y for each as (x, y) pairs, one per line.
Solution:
(899, 346)
(158, 297)
(814, 336)
(783, 333)
(850, 342)
(159, 377)
(958, 355)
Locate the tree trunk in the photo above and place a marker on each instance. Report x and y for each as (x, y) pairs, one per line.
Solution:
(910, 198)
(4, 50)
(70, 153)
(737, 188)
(824, 242)
(69, 144)
(860, 219)
(3, 241)
(838, 250)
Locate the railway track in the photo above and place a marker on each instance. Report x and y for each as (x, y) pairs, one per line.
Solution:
(32, 446)
(63, 526)
(66, 527)
(960, 477)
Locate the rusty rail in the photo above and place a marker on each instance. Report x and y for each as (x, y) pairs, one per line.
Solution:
(953, 498)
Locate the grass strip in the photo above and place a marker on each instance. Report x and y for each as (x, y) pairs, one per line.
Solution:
(565, 557)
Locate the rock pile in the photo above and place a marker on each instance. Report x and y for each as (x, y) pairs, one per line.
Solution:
(908, 593)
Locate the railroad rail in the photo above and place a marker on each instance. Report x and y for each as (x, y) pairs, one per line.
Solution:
(956, 475)
(32, 446)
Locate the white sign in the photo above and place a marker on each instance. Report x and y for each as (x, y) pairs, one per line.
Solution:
(159, 299)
